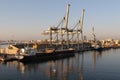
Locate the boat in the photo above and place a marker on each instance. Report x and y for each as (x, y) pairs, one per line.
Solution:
(25, 52)
(97, 47)
(3, 57)
(31, 54)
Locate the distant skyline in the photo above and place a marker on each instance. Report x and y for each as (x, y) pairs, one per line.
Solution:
(27, 19)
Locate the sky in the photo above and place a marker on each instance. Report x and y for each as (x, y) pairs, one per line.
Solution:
(27, 19)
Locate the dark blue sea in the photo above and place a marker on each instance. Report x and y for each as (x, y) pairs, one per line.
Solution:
(90, 65)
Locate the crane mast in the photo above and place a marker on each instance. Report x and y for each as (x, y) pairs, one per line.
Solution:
(93, 33)
(66, 24)
(81, 26)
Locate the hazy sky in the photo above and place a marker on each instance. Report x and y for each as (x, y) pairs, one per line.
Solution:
(26, 19)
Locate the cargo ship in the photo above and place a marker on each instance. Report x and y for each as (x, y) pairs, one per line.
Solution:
(30, 54)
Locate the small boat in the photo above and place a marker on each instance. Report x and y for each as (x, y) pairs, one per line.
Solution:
(97, 47)
(31, 54)
(3, 57)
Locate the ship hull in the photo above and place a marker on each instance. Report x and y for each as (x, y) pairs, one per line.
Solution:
(98, 49)
(42, 56)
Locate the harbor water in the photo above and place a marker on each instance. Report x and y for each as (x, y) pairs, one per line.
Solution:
(89, 65)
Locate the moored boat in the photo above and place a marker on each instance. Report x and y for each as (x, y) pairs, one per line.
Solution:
(30, 54)
(97, 47)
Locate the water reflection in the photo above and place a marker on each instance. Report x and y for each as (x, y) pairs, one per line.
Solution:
(84, 66)
(64, 69)
(95, 55)
(80, 66)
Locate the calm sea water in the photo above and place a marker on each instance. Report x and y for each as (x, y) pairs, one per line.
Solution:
(91, 65)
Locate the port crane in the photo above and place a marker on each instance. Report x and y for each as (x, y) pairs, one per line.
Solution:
(78, 29)
(62, 29)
